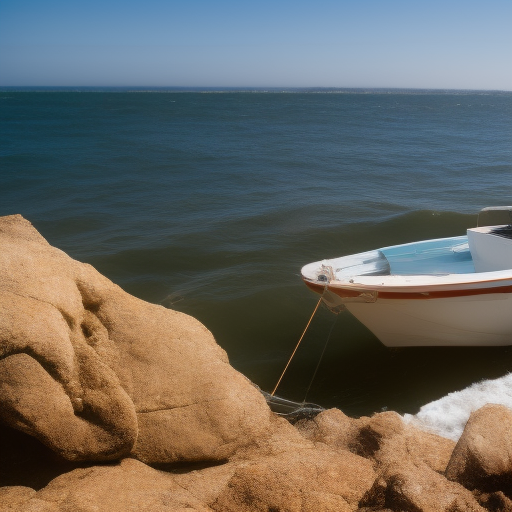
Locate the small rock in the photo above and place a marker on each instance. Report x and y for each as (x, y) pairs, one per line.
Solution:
(13, 497)
(418, 488)
(304, 480)
(482, 459)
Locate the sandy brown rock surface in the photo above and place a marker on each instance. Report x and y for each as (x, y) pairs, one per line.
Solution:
(127, 486)
(383, 438)
(96, 386)
(482, 459)
(96, 374)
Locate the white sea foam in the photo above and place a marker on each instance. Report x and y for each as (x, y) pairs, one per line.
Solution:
(448, 415)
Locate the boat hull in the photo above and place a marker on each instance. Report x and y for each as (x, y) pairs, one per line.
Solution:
(477, 320)
(463, 317)
(425, 293)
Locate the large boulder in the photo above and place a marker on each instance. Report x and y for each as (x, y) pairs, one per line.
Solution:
(408, 487)
(384, 438)
(283, 472)
(129, 486)
(96, 374)
(309, 479)
(482, 459)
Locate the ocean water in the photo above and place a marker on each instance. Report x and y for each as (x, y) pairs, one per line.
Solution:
(210, 203)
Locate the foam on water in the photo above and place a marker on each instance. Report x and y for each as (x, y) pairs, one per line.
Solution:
(448, 415)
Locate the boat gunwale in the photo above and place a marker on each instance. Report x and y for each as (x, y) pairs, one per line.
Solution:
(412, 292)
(413, 286)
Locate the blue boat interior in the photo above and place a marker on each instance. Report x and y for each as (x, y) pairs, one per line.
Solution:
(430, 257)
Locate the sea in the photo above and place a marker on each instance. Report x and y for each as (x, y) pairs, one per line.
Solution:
(210, 201)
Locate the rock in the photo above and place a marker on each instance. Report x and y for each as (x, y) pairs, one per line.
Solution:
(482, 459)
(416, 447)
(285, 472)
(332, 427)
(418, 488)
(12, 498)
(435, 451)
(129, 486)
(207, 483)
(96, 374)
(494, 502)
(384, 438)
(283, 438)
(373, 433)
(309, 479)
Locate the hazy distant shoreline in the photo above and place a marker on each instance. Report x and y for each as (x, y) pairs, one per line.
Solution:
(275, 90)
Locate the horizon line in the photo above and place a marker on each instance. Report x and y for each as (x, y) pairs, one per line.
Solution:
(220, 89)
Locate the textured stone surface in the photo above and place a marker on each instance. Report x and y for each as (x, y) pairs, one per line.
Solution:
(129, 486)
(331, 427)
(96, 374)
(303, 480)
(13, 498)
(384, 438)
(495, 501)
(410, 444)
(482, 458)
(418, 488)
(285, 472)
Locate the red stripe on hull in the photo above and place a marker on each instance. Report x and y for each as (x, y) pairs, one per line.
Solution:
(443, 294)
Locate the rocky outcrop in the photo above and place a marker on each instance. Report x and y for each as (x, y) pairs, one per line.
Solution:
(383, 438)
(289, 473)
(127, 486)
(409, 463)
(96, 374)
(482, 459)
(96, 386)
(411, 487)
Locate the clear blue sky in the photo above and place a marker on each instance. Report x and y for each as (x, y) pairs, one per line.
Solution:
(451, 44)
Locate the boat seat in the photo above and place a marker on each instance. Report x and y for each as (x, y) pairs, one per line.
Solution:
(491, 247)
(495, 216)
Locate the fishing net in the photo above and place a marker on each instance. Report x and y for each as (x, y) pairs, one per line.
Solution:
(290, 410)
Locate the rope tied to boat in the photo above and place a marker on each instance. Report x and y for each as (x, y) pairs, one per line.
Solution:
(289, 409)
(294, 411)
(297, 346)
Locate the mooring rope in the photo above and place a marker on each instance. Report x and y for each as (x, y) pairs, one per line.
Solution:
(321, 357)
(295, 350)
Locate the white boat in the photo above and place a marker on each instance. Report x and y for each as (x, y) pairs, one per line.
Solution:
(445, 292)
